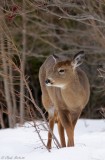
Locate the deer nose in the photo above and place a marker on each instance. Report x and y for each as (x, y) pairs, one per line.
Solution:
(47, 81)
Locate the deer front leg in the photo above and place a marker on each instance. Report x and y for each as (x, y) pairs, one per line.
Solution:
(66, 121)
(73, 117)
(61, 133)
(70, 134)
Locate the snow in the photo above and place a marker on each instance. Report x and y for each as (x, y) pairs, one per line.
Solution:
(23, 143)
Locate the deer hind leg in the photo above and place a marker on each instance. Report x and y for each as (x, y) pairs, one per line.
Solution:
(52, 117)
(51, 125)
(61, 133)
(48, 105)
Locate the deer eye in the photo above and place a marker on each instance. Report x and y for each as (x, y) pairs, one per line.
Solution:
(61, 71)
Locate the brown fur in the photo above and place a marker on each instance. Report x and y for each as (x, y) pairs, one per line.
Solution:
(67, 95)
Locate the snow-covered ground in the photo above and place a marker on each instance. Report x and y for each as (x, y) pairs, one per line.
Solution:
(23, 143)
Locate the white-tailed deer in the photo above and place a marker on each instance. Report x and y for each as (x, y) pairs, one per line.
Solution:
(65, 92)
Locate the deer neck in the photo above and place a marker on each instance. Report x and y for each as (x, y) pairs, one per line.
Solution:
(73, 85)
(72, 93)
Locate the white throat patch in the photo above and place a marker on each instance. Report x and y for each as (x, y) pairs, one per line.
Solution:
(51, 111)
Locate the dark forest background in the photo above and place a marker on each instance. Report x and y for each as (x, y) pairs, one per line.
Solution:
(31, 30)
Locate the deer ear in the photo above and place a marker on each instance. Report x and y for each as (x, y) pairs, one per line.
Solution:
(78, 59)
(55, 57)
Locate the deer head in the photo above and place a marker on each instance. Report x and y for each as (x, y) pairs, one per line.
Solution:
(64, 70)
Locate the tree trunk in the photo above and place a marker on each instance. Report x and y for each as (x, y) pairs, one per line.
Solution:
(6, 83)
(1, 119)
(12, 86)
(23, 58)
